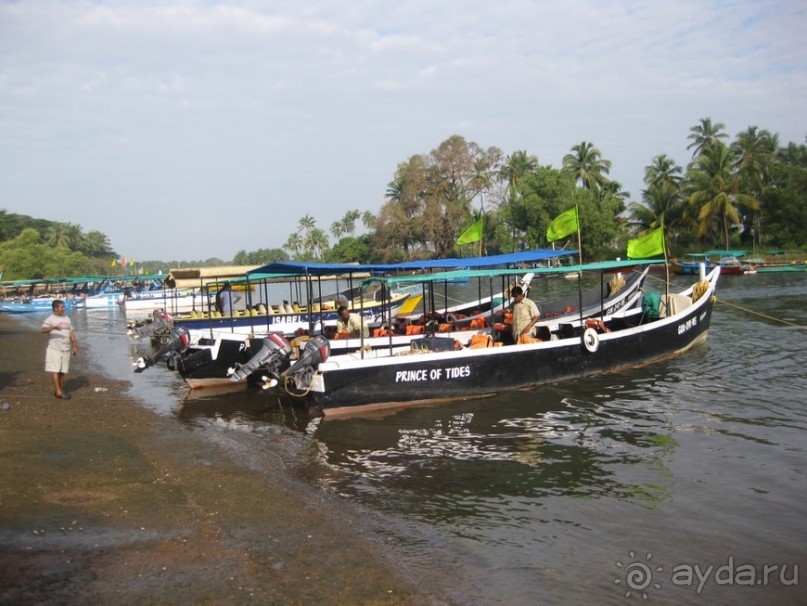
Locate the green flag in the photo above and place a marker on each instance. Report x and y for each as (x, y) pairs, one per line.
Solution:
(472, 234)
(564, 225)
(647, 246)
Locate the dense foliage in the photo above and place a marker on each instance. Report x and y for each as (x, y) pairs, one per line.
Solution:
(747, 193)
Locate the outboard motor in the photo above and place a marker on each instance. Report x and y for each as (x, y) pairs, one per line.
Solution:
(273, 356)
(170, 352)
(159, 327)
(317, 350)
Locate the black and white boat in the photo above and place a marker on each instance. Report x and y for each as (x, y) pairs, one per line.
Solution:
(436, 369)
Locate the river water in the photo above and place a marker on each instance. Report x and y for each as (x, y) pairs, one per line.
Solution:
(680, 482)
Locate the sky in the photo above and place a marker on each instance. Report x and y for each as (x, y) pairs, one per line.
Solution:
(195, 129)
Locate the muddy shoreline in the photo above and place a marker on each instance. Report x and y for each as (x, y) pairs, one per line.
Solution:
(104, 501)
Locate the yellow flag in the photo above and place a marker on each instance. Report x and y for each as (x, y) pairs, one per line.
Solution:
(565, 224)
(647, 246)
(114, 262)
(131, 260)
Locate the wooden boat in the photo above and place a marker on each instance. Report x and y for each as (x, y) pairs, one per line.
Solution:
(437, 369)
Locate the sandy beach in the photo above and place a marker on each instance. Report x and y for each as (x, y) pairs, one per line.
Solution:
(105, 502)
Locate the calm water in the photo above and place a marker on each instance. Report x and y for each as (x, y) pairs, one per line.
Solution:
(680, 482)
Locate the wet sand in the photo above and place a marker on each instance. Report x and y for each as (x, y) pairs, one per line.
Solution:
(105, 502)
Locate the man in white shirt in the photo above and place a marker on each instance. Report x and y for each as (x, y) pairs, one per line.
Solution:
(61, 342)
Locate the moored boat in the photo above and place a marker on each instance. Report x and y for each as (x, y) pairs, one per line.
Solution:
(435, 369)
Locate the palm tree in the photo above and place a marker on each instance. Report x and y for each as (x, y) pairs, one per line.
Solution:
(715, 191)
(754, 156)
(663, 172)
(58, 235)
(586, 164)
(96, 244)
(704, 135)
(516, 166)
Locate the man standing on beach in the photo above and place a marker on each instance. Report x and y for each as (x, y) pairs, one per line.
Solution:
(61, 341)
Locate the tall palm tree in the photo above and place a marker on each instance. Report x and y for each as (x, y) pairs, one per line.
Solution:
(663, 172)
(306, 225)
(754, 157)
(704, 135)
(587, 165)
(516, 166)
(715, 191)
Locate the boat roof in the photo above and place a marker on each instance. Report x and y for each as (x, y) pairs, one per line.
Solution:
(287, 268)
(725, 253)
(604, 266)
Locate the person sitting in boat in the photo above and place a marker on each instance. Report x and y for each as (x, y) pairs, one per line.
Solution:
(350, 323)
(225, 299)
(525, 315)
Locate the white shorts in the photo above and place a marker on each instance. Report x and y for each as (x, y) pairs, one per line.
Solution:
(57, 361)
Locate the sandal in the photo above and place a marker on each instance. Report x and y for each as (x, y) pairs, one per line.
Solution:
(62, 396)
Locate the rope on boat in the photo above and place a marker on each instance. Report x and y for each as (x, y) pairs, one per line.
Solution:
(761, 315)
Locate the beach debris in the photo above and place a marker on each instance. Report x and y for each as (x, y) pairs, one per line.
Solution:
(97, 389)
(5, 406)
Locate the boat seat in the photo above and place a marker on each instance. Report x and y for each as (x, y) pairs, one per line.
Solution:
(415, 329)
(480, 341)
(673, 304)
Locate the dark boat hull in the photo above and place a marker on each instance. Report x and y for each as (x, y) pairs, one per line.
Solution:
(370, 384)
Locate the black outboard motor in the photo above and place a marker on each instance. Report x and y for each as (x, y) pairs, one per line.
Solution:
(317, 350)
(273, 357)
(170, 352)
(159, 327)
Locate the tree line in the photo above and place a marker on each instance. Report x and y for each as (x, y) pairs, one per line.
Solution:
(748, 192)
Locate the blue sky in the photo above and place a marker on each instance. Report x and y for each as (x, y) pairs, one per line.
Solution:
(189, 130)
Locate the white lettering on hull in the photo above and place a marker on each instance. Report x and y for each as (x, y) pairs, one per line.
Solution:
(435, 374)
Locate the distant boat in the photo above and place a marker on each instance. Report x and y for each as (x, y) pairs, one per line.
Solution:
(39, 305)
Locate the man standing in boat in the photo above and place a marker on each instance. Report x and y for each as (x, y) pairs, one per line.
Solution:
(525, 315)
(350, 323)
(226, 299)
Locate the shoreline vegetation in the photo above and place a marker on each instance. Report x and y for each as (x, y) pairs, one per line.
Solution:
(103, 501)
(745, 193)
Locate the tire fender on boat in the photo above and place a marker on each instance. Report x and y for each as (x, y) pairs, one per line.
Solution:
(591, 340)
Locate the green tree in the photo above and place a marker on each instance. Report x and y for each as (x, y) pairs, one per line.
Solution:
(754, 156)
(715, 192)
(587, 165)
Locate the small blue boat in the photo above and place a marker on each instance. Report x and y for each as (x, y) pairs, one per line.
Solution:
(41, 305)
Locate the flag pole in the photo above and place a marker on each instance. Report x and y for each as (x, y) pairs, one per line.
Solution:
(666, 264)
(579, 237)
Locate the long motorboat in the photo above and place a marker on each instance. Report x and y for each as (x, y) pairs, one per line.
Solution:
(223, 357)
(435, 369)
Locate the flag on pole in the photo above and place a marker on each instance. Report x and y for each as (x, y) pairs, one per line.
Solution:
(114, 262)
(131, 260)
(123, 262)
(647, 246)
(472, 234)
(565, 224)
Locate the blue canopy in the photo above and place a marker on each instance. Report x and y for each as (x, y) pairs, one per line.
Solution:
(321, 269)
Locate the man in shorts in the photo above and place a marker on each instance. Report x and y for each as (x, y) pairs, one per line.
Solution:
(61, 342)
